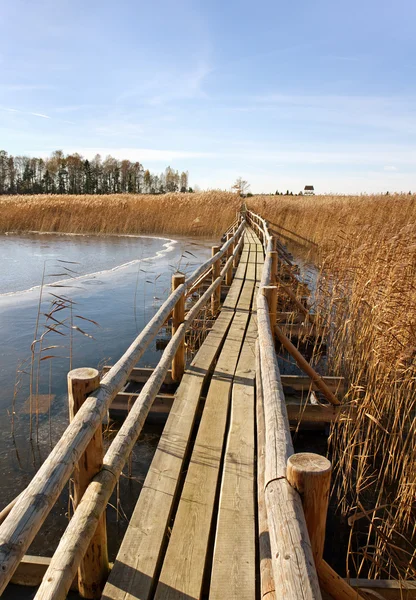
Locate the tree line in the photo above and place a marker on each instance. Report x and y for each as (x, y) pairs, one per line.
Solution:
(74, 174)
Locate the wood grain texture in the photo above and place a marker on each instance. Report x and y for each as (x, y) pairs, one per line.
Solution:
(267, 587)
(310, 475)
(234, 568)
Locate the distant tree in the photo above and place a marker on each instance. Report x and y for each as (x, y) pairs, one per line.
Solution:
(73, 174)
(4, 169)
(88, 178)
(240, 186)
(183, 181)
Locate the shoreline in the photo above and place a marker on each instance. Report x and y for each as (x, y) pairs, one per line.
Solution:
(167, 247)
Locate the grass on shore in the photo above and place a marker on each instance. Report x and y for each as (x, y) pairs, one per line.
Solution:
(201, 214)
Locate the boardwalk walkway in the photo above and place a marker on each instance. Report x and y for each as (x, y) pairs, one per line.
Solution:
(228, 509)
(193, 530)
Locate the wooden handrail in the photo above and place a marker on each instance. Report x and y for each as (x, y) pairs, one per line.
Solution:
(292, 558)
(34, 504)
(75, 541)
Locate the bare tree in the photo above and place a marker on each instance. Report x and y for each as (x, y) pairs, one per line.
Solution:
(241, 186)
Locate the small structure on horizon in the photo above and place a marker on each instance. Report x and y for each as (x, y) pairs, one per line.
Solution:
(309, 190)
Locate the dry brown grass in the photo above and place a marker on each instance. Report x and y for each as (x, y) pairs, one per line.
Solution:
(201, 214)
(328, 220)
(366, 298)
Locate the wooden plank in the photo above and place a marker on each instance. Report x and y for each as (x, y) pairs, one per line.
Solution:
(385, 588)
(304, 383)
(315, 413)
(183, 568)
(234, 568)
(122, 403)
(231, 300)
(142, 374)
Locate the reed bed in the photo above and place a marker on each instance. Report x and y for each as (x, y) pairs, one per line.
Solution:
(365, 297)
(198, 214)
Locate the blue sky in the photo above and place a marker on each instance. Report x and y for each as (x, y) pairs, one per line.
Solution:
(282, 93)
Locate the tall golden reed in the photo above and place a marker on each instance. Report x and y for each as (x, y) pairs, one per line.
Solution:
(199, 214)
(366, 298)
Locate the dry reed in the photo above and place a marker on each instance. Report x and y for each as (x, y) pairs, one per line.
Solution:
(200, 214)
(366, 299)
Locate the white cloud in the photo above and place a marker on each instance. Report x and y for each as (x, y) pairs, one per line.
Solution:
(39, 115)
(390, 168)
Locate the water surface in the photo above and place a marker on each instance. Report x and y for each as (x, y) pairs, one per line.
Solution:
(97, 294)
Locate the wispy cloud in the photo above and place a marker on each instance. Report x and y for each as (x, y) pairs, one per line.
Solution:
(39, 115)
(24, 112)
(170, 86)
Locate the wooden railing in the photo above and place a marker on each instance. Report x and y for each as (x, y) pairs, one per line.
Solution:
(293, 488)
(33, 505)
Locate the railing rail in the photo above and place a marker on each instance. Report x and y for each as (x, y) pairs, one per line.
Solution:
(34, 504)
(292, 560)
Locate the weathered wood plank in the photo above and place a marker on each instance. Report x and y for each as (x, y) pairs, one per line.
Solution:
(234, 568)
(142, 374)
(303, 382)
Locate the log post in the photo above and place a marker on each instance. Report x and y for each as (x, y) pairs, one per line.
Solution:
(270, 291)
(273, 257)
(216, 270)
(310, 475)
(238, 253)
(94, 568)
(178, 363)
(229, 274)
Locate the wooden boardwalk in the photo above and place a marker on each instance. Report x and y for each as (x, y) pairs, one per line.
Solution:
(193, 530)
(227, 509)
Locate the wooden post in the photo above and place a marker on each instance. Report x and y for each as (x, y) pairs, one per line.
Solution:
(93, 569)
(273, 257)
(237, 254)
(229, 274)
(178, 363)
(270, 291)
(310, 475)
(216, 270)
